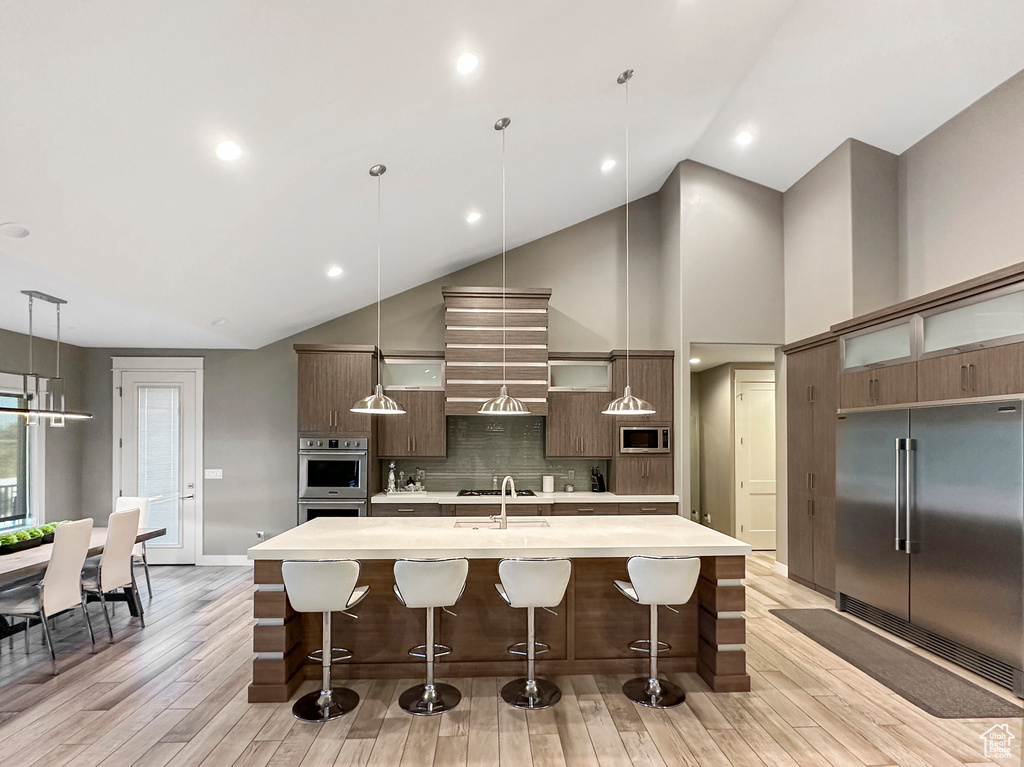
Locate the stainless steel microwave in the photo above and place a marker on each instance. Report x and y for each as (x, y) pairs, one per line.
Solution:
(645, 439)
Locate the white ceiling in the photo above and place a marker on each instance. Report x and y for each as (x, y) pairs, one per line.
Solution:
(713, 355)
(109, 113)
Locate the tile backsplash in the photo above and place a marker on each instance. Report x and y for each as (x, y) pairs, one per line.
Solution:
(480, 448)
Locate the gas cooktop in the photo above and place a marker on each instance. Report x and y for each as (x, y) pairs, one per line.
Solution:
(474, 493)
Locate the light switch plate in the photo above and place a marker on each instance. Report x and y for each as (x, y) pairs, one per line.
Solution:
(213, 474)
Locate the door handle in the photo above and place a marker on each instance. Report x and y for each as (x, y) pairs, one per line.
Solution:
(963, 378)
(810, 507)
(972, 379)
(909, 476)
(900, 446)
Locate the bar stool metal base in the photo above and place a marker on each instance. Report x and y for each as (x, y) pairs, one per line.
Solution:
(520, 693)
(660, 694)
(316, 707)
(428, 700)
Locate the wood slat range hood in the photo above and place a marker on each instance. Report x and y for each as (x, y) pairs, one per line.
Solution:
(473, 347)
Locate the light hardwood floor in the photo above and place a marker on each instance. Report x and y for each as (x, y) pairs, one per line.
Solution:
(174, 694)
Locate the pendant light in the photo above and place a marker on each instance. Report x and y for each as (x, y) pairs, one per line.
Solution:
(627, 404)
(378, 403)
(503, 404)
(31, 394)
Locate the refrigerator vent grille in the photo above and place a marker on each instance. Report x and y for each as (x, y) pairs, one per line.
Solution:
(990, 668)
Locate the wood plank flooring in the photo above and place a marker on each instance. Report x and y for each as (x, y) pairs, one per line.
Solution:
(174, 695)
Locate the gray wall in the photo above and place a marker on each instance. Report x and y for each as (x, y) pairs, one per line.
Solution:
(874, 181)
(716, 450)
(63, 488)
(961, 193)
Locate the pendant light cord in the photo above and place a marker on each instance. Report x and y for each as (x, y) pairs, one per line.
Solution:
(504, 316)
(627, 233)
(379, 362)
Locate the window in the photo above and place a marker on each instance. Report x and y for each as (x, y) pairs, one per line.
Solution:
(14, 463)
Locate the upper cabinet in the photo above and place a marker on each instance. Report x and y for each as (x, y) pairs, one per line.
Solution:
(331, 379)
(576, 427)
(420, 432)
(412, 372)
(650, 377)
(587, 375)
(974, 324)
(888, 345)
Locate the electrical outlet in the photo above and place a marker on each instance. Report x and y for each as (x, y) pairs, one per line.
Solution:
(572, 474)
(261, 536)
(213, 474)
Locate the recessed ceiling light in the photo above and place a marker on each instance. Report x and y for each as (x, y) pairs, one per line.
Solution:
(14, 231)
(220, 321)
(228, 151)
(744, 138)
(466, 63)
(607, 165)
(334, 271)
(473, 216)
(694, 360)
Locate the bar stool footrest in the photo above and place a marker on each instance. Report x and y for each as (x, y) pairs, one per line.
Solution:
(338, 654)
(644, 646)
(440, 650)
(520, 648)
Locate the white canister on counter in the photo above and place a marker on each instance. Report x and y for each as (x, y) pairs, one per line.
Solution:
(547, 484)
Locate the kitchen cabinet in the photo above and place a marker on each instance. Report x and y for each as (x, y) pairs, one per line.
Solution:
(980, 373)
(576, 427)
(489, 509)
(641, 475)
(406, 510)
(648, 508)
(651, 377)
(891, 385)
(420, 432)
(812, 398)
(330, 380)
(584, 509)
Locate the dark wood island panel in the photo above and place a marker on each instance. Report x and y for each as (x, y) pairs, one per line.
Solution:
(590, 633)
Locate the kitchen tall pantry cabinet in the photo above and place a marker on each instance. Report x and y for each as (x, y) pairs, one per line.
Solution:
(812, 397)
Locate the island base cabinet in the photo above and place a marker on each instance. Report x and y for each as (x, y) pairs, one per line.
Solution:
(589, 635)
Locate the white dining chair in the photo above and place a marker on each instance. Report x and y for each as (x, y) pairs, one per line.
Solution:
(59, 590)
(114, 569)
(139, 556)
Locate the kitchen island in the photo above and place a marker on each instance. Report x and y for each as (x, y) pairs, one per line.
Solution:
(590, 633)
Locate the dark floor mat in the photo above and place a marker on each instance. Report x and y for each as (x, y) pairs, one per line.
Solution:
(925, 684)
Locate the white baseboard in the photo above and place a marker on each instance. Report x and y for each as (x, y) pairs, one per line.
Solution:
(224, 560)
(782, 569)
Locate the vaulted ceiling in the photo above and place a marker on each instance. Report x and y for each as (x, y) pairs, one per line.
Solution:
(110, 113)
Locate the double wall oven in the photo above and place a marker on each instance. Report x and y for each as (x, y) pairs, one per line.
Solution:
(333, 477)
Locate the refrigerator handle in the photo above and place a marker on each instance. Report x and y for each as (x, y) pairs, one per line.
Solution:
(908, 476)
(900, 447)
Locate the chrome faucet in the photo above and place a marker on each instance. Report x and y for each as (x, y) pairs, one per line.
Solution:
(502, 516)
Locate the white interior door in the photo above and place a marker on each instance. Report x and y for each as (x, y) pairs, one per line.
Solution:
(755, 457)
(158, 452)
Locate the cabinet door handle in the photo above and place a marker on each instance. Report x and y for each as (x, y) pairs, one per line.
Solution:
(407, 511)
(963, 378)
(584, 511)
(812, 480)
(648, 509)
(808, 480)
(810, 507)
(972, 379)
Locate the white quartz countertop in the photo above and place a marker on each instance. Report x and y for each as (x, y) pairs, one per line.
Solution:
(425, 537)
(559, 497)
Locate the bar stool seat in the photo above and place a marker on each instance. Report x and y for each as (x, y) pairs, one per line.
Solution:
(428, 584)
(324, 586)
(531, 583)
(656, 581)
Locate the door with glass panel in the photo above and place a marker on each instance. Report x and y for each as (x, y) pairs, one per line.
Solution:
(158, 456)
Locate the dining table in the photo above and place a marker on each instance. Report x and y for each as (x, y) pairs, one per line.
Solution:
(23, 566)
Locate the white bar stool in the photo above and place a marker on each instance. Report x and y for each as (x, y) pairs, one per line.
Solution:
(324, 586)
(428, 584)
(532, 583)
(657, 581)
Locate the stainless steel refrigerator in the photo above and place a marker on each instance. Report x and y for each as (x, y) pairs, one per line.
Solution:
(930, 529)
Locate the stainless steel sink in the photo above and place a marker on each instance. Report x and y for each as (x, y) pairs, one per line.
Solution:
(485, 523)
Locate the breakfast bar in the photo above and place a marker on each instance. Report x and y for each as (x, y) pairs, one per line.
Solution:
(590, 633)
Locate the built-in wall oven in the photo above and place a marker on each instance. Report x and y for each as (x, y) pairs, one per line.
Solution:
(345, 508)
(331, 468)
(645, 439)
